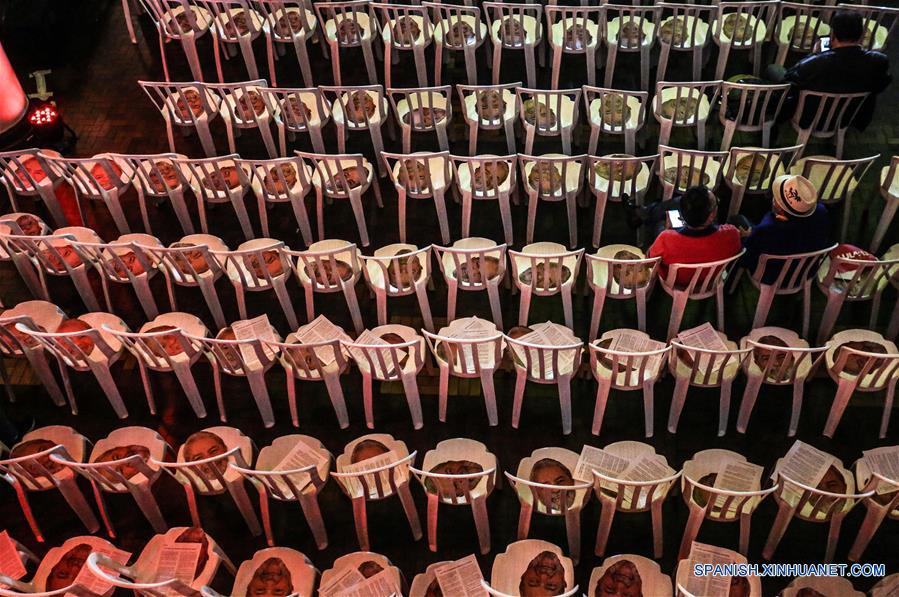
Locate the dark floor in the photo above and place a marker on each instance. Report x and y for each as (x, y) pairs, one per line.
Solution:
(95, 70)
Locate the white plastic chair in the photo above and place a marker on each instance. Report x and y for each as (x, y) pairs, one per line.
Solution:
(280, 180)
(552, 177)
(799, 26)
(679, 169)
(422, 110)
(880, 22)
(707, 502)
(358, 108)
(301, 484)
(457, 28)
(489, 108)
(344, 177)
(234, 23)
(515, 26)
(889, 190)
(182, 21)
(24, 173)
(349, 24)
(458, 489)
(296, 568)
(566, 501)
(105, 350)
(459, 352)
(510, 566)
(401, 362)
(704, 368)
(836, 182)
(652, 580)
(625, 371)
(212, 475)
(750, 107)
(419, 176)
(124, 261)
(362, 560)
(186, 105)
(15, 344)
(794, 274)
(153, 175)
(832, 114)
(548, 113)
(328, 267)
(469, 265)
(612, 176)
(16, 225)
(323, 361)
(376, 484)
(684, 105)
(217, 180)
(190, 263)
(162, 345)
(545, 364)
(631, 497)
(249, 358)
(629, 29)
(487, 178)
(400, 270)
(98, 178)
(573, 30)
(244, 106)
(856, 370)
(695, 281)
(56, 567)
(288, 22)
(821, 585)
(256, 266)
(810, 504)
(632, 275)
(683, 28)
(129, 474)
(742, 26)
(752, 170)
(36, 472)
(614, 112)
(405, 27)
(684, 572)
(844, 279)
(879, 506)
(789, 362)
(300, 111)
(545, 269)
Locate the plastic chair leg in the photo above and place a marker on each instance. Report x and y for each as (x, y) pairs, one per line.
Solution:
(481, 522)
(239, 493)
(107, 383)
(691, 530)
(410, 385)
(68, 487)
(191, 391)
(784, 515)
(724, 407)
(649, 406)
(335, 392)
(887, 408)
(524, 521)
(599, 410)
(256, 379)
(657, 529)
(573, 532)
(406, 500)
(520, 382)
(873, 519)
(367, 400)
(487, 387)
(606, 516)
(313, 514)
(747, 404)
(564, 383)
(681, 385)
(143, 496)
(845, 389)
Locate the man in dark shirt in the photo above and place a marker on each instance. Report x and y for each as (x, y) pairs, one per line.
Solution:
(845, 68)
(797, 223)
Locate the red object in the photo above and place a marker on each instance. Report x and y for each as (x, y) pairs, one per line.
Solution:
(12, 98)
(676, 247)
(45, 115)
(847, 251)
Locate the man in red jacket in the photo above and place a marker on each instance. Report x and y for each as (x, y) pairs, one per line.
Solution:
(700, 239)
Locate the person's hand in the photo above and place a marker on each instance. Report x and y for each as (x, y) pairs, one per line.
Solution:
(744, 232)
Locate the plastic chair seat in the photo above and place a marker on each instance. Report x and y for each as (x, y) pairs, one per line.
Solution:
(760, 34)
(271, 24)
(646, 26)
(670, 93)
(558, 30)
(688, 43)
(807, 23)
(532, 28)
(362, 21)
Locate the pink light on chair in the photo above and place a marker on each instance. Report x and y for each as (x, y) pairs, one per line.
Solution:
(13, 102)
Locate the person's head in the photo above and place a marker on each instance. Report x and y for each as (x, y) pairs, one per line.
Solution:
(67, 568)
(846, 28)
(83, 342)
(621, 579)
(367, 448)
(29, 224)
(164, 344)
(126, 469)
(369, 568)
(548, 471)
(793, 196)
(698, 207)
(271, 579)
(544, 576)
(202, 445)
(190, 260)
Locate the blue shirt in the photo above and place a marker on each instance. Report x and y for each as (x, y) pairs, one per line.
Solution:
(785, 237)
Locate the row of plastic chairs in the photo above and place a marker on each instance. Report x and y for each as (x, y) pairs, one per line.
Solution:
(747, 172)
(573, 30)
(290, 570)
(471, 348)
(740, 107)
(553, 482)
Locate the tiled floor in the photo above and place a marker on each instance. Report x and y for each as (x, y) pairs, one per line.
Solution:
(94, 78)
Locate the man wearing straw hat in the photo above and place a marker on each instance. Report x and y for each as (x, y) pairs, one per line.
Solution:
(797, 223)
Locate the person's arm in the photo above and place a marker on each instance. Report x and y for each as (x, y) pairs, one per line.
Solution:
(883, 78)
(657, 249)
(799, 74)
